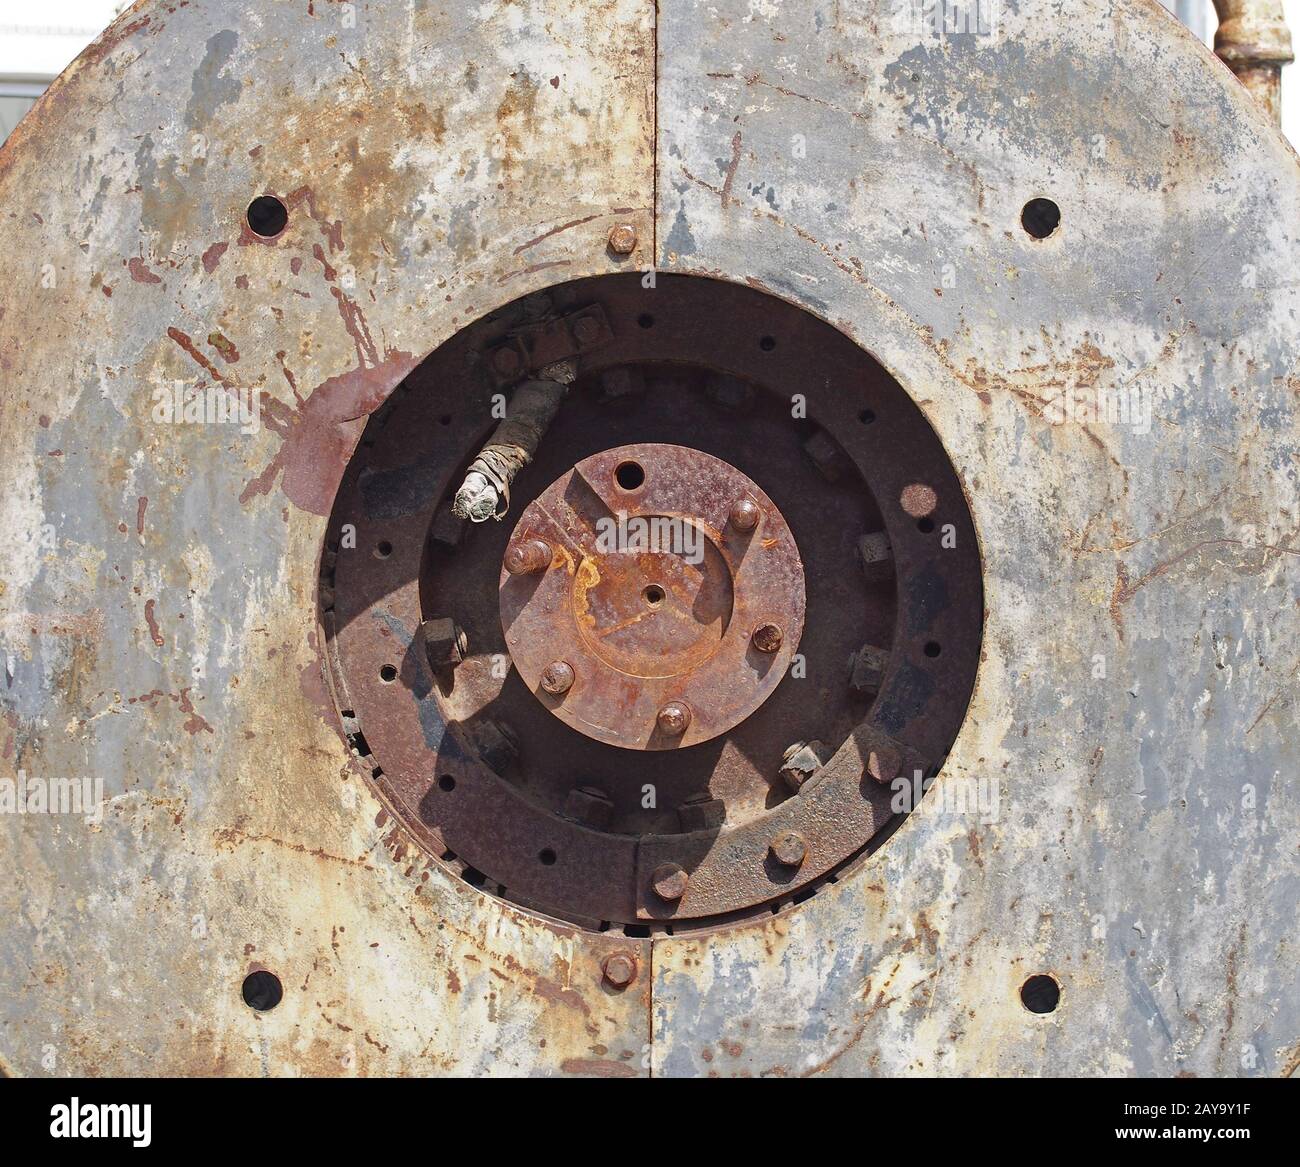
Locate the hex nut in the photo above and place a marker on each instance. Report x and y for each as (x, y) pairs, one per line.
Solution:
(622, 238)
(619, 970)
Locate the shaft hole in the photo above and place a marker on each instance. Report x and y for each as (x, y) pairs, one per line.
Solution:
(645, 320)
(262, 990)
(1040, 994)
(629, 475)
(925, 525)
(867, 416)
(546, 857)
(447, 783)
(1040, 217)
(653, 595)
(767, 344)
(383, 549)
(388, 674)
(933, 648)
(267, 216)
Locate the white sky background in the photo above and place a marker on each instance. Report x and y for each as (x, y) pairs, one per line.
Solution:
(38, 38)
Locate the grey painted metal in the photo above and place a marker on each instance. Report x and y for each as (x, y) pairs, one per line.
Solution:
(157, 600)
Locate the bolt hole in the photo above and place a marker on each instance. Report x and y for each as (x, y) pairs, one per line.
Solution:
(546, 857)
(388, 674)
(767, 344)
(1040, 217)
(383, 549)
(867, 416)
(267, 216)
(933, 648)
(445, 419)
(447, 783)
(645, 320)
(925, 525)
(1040, 994)
(653, 595)
(262, 990)
(629, 475)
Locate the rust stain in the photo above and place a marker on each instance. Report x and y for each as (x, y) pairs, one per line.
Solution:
(152, 621)
(140, 272)
(212, 257)
(140, 506)
(599, 1067)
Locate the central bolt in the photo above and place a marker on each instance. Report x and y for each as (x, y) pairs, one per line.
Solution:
(768, 637)
(557, 678)
(527, 556)
(674, 718)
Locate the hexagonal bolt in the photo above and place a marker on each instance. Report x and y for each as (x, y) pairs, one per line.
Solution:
(622, 238)
(918, 500)
(674, 718)
(702, 813)
(527, 556)
(768, 637)
(729, 392)
(587, 330)
(883, 763)
(867, 671)
(802, 760)
(445, 643)
(668, 881)
(589, 806)
(788, 848)
(506, 361)
(619, 970)
(831, 462)
(496, 744)
(621, 381)
(557, 678)
(744, 514)
(877, 557)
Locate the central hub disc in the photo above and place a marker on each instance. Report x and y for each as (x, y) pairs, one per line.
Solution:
(652, 597)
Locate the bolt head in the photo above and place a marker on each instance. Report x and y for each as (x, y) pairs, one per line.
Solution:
(622, 239)
(586, 330)
(788, 848)
(768, 637)
(557, 678)
(619, 970)
(744, 514)
(674, 718)
(668, 881)
(527, 556)
(918, 500)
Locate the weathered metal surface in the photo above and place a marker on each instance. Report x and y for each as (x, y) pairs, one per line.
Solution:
(1133, 728)
(436, 161)
(1135, 710)
(655, 597)
(1254, 42)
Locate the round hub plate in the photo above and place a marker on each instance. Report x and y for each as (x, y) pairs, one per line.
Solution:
(656, 599)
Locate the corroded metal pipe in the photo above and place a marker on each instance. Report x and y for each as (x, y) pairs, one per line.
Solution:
(1254, 42)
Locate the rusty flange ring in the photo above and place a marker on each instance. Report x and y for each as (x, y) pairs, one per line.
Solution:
(669, 600)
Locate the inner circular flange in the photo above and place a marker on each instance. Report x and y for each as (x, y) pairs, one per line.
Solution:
(650, 595)
(478, 760)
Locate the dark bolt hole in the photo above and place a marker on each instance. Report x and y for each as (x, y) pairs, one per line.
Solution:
(445, 419)
(1040, 217)
(262, 990)
(546, 856)
(646, 320)
(447, 783)
(1041, 994)
(383, 549)
(629, 475)
(653, 595)
(267, 216)
(767, 344)
(925, 525)
(388, 674)
(933, 649)
(867, 416)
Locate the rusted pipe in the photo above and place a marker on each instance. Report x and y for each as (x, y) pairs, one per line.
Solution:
(1254, 42)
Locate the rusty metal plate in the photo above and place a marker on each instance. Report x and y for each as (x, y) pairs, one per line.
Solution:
(1118, 399)
(672, 620)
